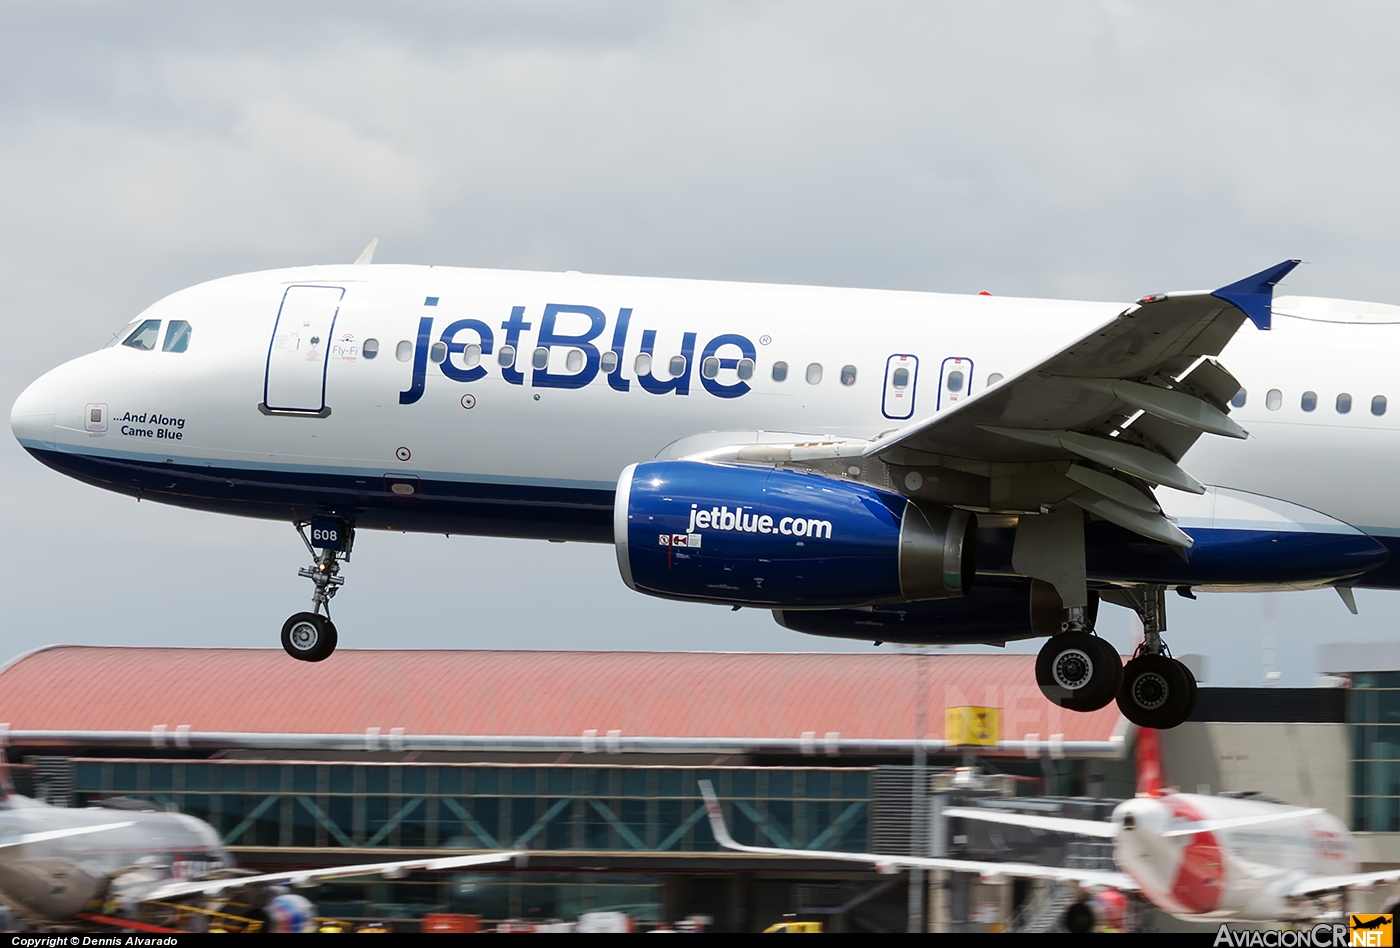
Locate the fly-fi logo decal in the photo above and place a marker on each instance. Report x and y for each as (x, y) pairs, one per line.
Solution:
(738, 521)
(1373, 931)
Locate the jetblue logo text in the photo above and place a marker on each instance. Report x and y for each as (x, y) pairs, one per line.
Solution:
(736, 520)
(462, 348)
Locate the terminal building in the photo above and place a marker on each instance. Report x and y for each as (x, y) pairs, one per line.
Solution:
(589, 764)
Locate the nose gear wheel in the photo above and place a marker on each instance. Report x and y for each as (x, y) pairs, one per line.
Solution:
(309, 637)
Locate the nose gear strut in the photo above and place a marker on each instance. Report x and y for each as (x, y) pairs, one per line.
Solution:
(311, 636)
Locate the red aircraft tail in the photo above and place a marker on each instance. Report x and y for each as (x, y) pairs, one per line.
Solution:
(1149, 763)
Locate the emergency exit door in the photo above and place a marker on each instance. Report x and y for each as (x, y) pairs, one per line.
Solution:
(297, 356)
(901, 379)
(954, 382)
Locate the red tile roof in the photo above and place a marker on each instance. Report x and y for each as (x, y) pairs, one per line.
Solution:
(653, 694)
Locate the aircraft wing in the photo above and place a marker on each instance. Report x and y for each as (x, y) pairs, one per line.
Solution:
(1051, 824)
(39, 837)
(1057, 824)
(1316, 884)
(1131, 397)
(304, 877)
(1114, 880)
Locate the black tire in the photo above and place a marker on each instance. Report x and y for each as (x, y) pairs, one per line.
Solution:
(1190, 705)
(1157, 692)
(1079, 918)
(1078, 671)
(309, 637)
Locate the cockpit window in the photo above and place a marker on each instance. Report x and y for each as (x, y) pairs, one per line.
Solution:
(145, 336)
(177, 336)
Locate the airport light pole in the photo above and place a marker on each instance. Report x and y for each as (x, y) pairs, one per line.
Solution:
(918, 826)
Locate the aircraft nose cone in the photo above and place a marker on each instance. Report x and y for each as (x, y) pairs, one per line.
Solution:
(32, 417)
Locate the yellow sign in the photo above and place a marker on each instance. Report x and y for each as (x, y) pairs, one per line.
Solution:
(1374, 931)
(977, 727)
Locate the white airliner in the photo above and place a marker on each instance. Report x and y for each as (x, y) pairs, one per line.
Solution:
(55, 862)
(913, 467)
(1200, 858)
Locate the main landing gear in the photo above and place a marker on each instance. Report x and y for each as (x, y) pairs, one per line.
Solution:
(1079, 671)
(310, 636)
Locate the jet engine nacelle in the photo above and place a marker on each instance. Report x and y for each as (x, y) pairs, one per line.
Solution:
(742, 535)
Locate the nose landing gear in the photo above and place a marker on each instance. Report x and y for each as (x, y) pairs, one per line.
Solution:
(310, 636)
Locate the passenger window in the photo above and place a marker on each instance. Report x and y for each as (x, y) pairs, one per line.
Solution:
(710, 367)
(899, 378)
(780, 371)
(1343, 403)
(145, 336)
(994, 378)
(677, 366)
(370, 348)
(1273, 399)
(177, 336)
(814, 373)
(403, 351)
(1378, 405)
(573, 362)
(1240, 397)
(745, 369)
(955, 381)
(506, 357)
(608, 363)
(540, 358)
(1309, 401)
(471, 355)
(848, 375)
(643, 364)
(437, 352)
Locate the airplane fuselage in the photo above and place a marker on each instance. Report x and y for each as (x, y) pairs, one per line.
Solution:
(1242, 872)
(125, 854)
(506, 403)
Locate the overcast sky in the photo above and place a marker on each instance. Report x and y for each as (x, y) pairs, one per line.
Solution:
(1081, 150)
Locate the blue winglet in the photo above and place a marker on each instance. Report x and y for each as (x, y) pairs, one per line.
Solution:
(1255, 294)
